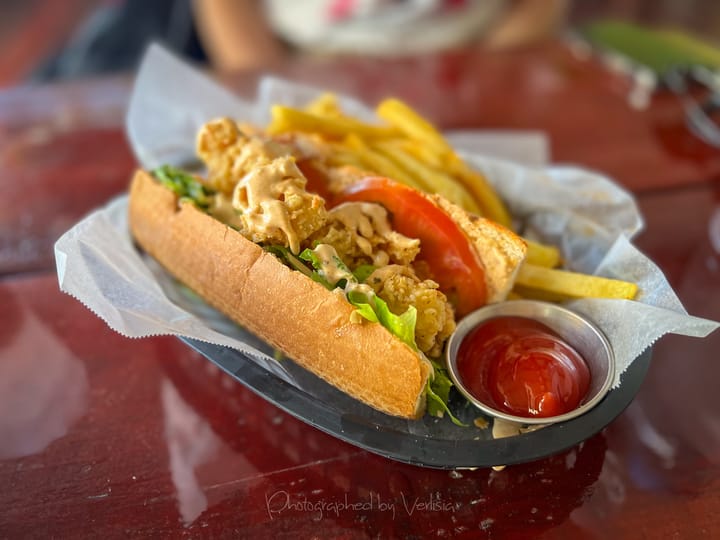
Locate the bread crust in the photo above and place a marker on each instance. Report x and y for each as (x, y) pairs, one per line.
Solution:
(500, 250)
(294, 314)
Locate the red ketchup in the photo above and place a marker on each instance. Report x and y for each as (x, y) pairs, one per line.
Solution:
(522, 367)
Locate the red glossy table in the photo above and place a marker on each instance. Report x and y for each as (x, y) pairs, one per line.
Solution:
(101, 436)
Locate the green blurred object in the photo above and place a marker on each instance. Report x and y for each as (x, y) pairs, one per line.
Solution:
(659, 50)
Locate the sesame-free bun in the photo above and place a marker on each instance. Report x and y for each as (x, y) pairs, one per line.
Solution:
(500, 250)
(291, 312)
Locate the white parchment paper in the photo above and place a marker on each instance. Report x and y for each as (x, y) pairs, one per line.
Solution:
(587, 215)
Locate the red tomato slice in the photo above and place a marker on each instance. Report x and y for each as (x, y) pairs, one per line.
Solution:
(443, 245)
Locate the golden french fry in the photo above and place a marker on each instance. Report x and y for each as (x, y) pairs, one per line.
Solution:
(541, 254)
(287, 119)
(432, 180)
(341, 156)
(514, 295)
(398, 114)
(528, 293)
(552, 284)
(338, 155)
(424, 153)
(411, 151)
(403, 117)
(484, 195)
(378, 163)
(324, 105)
(489, 202)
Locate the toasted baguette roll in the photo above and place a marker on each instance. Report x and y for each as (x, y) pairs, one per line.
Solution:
(501, 250)
(287, 309)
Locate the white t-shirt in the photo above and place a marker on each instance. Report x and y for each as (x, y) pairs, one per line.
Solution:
(381, 26)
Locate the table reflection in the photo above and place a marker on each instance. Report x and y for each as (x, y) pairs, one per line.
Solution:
(43, 386)
(283, 474)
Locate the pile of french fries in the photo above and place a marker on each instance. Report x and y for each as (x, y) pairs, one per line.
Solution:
(409, 149)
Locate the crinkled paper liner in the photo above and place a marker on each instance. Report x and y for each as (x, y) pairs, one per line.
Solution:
(587, 215)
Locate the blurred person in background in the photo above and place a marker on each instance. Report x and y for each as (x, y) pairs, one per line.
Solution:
(256, 34)
(239, 34)
(115, 33)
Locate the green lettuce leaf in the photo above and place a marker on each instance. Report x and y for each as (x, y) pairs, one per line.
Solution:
(287, 257)
(363, 272)
(310, 256)
(438, 394)
(185, 185)
(296, 263)
(319, 275)
(375, 309)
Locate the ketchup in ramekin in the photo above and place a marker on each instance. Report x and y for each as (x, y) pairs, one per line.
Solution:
(522, 367)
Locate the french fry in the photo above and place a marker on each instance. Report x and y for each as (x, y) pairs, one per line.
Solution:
(404, 118)
(489, 202)
(343, 157)
(287, 119)
(344, 161)
(424, 153)
(411, 151)
(378, 163)
(324, 105)
(552, 284)
(434, 181)
(514, 295)
(541, 254)
(527, 293)
(398, 114)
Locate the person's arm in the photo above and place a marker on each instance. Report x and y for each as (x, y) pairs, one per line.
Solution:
(235, 34)
(528, 21)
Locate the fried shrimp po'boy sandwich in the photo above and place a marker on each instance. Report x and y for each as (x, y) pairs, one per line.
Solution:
(361, 285)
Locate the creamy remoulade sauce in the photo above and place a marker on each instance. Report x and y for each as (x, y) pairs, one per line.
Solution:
(522, 367)
(333, 270)
(274, 205)
(257, 195)
(365, 220)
